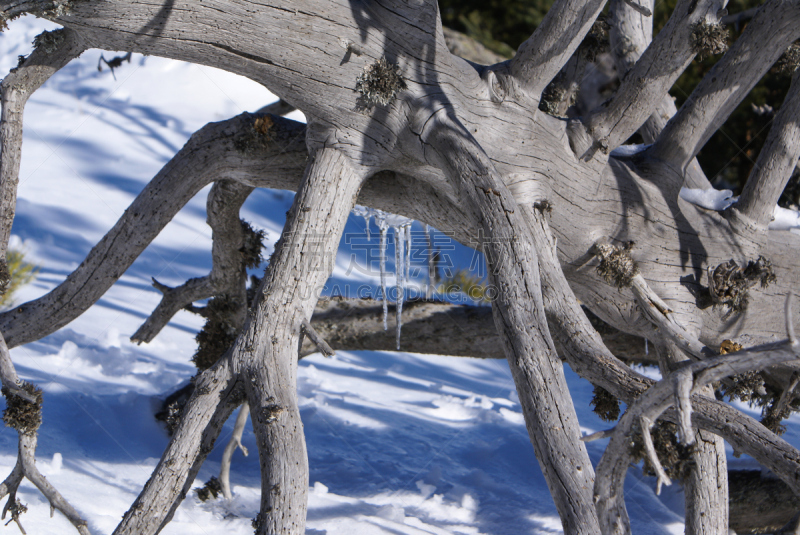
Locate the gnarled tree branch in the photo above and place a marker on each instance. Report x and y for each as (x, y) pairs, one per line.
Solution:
(774, 27)
(648, 81)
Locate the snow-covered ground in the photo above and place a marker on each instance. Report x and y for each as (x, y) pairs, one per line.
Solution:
(398, 443)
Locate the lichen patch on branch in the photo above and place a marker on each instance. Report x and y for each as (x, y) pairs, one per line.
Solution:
(605, 405)
(617, 267)
(218, 334)
(5, 277)
(22, 415)
(709, 39)
(49, 41)
(789, 60)
(729, 284)
(251, 140)
(211, 489)
(596, 41)
(675, 458)
(252, 245)
(379, 83)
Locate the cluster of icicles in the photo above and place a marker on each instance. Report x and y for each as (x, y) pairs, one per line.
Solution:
(402, 256)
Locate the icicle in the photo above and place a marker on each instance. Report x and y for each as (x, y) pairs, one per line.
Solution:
(384, 228)
(408, 251)
(367, 214)
(646, 347)
(402, 236)
(399, 260)
(429, 283)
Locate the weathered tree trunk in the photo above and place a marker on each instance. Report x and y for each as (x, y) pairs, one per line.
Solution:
(388, 102)
(266, 354)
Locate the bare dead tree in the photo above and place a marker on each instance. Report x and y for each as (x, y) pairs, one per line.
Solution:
(563, 214)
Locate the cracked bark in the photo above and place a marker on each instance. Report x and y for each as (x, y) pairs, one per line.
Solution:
(496, 140)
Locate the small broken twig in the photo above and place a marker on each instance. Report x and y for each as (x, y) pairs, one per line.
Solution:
(321, 344)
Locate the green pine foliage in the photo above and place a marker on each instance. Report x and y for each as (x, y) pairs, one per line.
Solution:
(499, 25)
(21, 273)
(465, 283)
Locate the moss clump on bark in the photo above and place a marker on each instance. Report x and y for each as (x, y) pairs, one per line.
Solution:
(5, 277)
(217, 335)
(675, 458)
(49, 42)
(23, 415)
(595, 42)
(789, 61)
(729, 284)
(211, 489)
(617, 267)
(250, 140)
(379, 83)
(709, 39)
(252, 245)
(605, 405)
(747, 386)
(554, 94)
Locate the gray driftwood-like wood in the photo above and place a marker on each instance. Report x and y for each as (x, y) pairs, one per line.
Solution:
(775, 163)
(673, 389)
(465, 148)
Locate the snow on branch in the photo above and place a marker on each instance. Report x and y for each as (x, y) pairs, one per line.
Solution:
(721, 200)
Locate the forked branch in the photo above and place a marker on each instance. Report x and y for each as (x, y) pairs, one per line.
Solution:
(615, 461)
(772, 30)
(224, 150)
(227, 263)
(649, 80)
(630, 34)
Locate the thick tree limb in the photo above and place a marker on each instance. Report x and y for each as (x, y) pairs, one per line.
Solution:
(775, 163)
(553, 43)
(648, 81)
(629, 35)
(519, 316)
(769, 33)
(266, 352)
